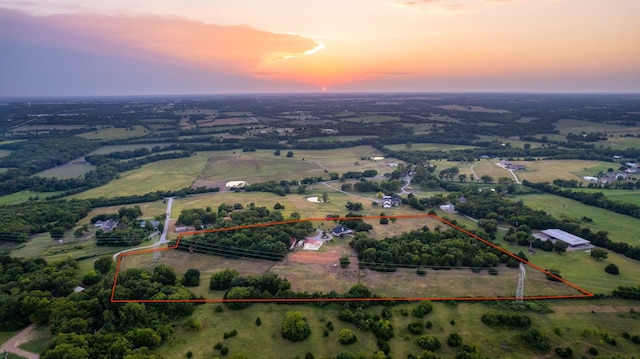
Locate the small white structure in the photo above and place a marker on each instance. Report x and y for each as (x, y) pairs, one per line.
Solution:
(449, 208)
(312, 244)
(236, 184)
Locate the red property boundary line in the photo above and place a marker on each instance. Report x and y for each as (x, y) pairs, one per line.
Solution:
(583, 293)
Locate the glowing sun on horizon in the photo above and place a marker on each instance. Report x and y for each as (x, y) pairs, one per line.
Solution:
(324, 89)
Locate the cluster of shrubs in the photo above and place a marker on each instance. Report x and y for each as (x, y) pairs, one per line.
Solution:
(506, 320)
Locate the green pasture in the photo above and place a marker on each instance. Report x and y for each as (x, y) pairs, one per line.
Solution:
(579, 268)
(217, 168)
(372, 118)
(428, 147)
(339, 138)
(5, 153)
(41, 245)
(512, 141)
(620, 227)
(162, 175)
(268, 334)
(481, 168)
(23, 196)
(103, 150)
(573, 324)
(115, 133)
(549, 170)
(619, 195)
(74, 169)
(536, 171)
(625, 142)
(566, 126)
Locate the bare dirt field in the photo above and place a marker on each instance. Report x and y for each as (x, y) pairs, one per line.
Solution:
(309, 257)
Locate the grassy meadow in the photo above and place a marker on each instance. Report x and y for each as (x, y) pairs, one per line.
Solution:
(618, 226)
(217, 168)
(572, 324)
(108, 133)
(620, 195)
(566, 126)
(74, 169)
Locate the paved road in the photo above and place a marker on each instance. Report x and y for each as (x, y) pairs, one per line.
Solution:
(163, 236)
(11, 345)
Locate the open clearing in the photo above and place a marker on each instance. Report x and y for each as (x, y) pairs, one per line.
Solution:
(617, 225)
(536, 171)
(73, 169)
(115, 133)
(620, 195)
(566, 126)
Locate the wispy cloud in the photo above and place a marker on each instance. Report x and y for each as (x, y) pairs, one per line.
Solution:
(158, 39)
(447, 6)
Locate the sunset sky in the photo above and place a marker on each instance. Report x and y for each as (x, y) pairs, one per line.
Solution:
(140, 47)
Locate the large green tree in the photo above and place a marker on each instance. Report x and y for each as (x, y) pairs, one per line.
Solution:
(295, 326)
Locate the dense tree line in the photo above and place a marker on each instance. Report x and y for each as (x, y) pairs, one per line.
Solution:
(627, 292)
(87, 325)
(17, 222)
(506, 320)
(389, 186)
(280, 188)
(28, 288)
(266, 242)
(423, 247)
(29, 157)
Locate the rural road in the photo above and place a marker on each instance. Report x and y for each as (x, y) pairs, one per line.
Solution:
(11, 345)
(510, 171)
(326, 184)
(474, 173)
(163, 236)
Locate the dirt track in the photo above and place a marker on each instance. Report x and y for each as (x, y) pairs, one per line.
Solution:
(11, 345)
(314, 257)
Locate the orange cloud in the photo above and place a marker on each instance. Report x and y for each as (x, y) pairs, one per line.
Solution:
(229, 49)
